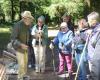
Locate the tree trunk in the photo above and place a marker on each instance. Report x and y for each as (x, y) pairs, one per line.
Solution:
(12, 11)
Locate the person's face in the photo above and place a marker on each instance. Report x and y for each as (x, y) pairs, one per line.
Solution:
(63, 29)
(65, 19)
(81, 25)
(92, 22)
(27, 21)
(40, 22)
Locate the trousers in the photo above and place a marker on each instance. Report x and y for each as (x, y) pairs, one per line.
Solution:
(39, 52)
(82, 69)
(67, 59)
(22, 58)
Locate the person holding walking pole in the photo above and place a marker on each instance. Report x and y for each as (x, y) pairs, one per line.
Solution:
(94, 46)
(64, 41)
(39, 42)
(79, 42)
(20, 38)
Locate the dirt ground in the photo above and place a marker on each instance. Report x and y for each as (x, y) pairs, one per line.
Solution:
(49, 73)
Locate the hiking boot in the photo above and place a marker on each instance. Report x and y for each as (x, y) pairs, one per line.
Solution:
(26, 78)
(59, 73)
(70, 76)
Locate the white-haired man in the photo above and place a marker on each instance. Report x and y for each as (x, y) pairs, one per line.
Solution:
(94, 45)
(20, 37)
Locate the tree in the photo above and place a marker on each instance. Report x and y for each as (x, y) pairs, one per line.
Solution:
(57, 8)
(5, 5)
(51, 9)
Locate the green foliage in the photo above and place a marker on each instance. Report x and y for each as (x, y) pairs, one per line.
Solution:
(39, 6)
(74, 8)
(49, 8)
(5, 5)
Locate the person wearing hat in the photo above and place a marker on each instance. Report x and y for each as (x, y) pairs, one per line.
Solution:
(20, 37)
(64, 41)
(39, 42)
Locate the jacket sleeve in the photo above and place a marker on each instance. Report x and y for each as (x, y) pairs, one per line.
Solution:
(45, 32)
(33, 31)
(14, 35)
(95, 39)
(56, 40)
(70, 38)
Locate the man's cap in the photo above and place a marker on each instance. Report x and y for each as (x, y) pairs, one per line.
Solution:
(27, 14)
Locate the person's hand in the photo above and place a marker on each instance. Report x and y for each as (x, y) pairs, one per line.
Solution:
(73, 46)
(39, 34)
(40, 31)
(62, 47)
(78, 32)
(24, 46)
(89, 32)
(51, 46)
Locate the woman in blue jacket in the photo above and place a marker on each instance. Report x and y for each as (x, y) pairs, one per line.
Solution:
(64, 41)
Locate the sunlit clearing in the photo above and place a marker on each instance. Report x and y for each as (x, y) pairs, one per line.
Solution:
(4, 30)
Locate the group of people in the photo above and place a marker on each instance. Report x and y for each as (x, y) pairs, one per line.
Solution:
(28, 41)
(83, 43)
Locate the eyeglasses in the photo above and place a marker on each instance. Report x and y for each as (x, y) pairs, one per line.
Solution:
(63, 28)
(27, 18)
(40, 21)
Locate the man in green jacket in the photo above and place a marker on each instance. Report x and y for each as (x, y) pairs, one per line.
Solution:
(20, 37)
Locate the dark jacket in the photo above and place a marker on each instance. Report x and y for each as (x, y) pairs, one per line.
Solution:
(20, 34)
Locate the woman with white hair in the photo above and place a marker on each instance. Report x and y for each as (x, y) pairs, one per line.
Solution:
(39, 42)
(94, 45)
(64, 40)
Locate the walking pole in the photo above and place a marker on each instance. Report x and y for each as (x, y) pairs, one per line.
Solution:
(39, 48)
(65, 77)
(53, 61)
(83, 52)
(71, 61)
(54, 68)
(73, 51)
